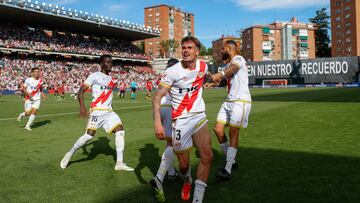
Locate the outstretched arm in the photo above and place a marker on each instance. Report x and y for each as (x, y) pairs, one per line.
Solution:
(226, 73)
(209, 82)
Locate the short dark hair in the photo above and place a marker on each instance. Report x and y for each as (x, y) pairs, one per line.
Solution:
(33, 69)
(171, 62)
(232, 42)
(103, 57)
(192, 39)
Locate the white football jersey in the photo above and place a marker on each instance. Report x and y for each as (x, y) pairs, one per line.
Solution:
(185, 89)
(166, 100)
(238, 83)
(102, 87)
(34, 87)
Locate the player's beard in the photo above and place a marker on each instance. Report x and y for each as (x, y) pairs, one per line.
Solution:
(225, 56)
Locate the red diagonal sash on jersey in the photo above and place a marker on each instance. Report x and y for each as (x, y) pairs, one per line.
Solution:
(188, 102)
(104, 95)
(229, 83)
(38, 87)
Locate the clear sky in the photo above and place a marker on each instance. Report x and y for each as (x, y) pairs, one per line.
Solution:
(213, 18)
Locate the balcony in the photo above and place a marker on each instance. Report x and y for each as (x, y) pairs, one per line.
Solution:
(295, 32)
(303, 55)
(267, 46)
(304, 44)
(303, 37)
(266, 31)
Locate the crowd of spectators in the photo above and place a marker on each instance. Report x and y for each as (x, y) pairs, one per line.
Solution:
(24, 37)
(67, 72)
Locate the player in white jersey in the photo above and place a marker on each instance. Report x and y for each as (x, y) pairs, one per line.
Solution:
(74, 90)
(32, 89)
(101, 114)
(184, 80)
(167, 158)
(235, 111)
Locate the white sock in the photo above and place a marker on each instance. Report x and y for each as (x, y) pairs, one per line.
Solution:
(80, 142)
(31, 120)
(171, 170)
(199, 191)
(166, 160)
(187, 176)
(22, 114)
(224, 146)
(230, 158)
(120, 145)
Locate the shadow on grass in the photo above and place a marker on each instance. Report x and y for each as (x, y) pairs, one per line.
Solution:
(41, 123)
(100, 146)
(266, 175)
(149, 158)
(316, 95)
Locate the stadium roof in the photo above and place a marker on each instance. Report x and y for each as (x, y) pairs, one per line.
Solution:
(54, 17)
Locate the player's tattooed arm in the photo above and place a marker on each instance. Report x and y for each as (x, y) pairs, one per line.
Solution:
(159, 128)
(209, 82)
(208, 78)
(83, 111)
(233, 68)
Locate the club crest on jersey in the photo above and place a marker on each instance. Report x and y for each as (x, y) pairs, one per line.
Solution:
(201, 74)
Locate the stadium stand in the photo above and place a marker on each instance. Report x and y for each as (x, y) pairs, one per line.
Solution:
(23, 37)
(66, 45)
(69, 72)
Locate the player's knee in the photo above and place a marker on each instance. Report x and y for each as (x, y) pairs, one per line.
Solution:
(183, 164)
(91, 132)
(218, 131)
(207, 158)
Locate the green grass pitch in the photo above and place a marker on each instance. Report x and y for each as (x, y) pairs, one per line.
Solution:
(301, 145)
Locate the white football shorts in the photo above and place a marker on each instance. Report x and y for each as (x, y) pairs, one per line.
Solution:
(184, 129)
(108, 120)
(234, 113)
(32, 105)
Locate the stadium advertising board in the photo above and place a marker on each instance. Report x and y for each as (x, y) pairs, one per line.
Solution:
(308, 71)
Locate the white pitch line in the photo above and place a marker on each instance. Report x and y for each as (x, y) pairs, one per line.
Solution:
(68, 113)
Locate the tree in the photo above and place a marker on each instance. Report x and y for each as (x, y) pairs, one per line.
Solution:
(168, 47)
(322, 39)
(209, 51)
(203, 51)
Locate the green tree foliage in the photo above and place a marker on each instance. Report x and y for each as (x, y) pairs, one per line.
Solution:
(322, 39)
(168, 47)
(209, 51)
(203, 51)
